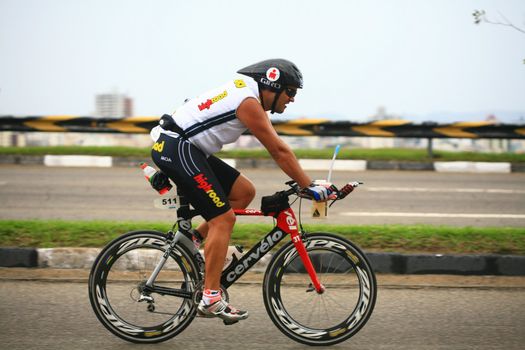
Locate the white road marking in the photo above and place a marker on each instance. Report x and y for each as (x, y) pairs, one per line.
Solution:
(437, 215)
(78, 161)
(442, 190)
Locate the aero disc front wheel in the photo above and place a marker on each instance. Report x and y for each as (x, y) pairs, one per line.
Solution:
(332, 316)
(122, 301)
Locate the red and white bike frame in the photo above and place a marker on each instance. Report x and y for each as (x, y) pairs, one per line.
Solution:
(286, 224)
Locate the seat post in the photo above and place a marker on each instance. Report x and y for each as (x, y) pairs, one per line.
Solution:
(184, 213)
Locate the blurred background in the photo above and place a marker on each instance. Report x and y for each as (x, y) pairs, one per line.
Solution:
(362, 61)
(429, 63)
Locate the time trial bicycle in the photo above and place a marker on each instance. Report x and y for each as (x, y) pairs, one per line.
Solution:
(318, 289)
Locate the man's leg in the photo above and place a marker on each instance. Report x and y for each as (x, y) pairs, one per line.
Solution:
(212, 304)
(242, 192)
(241, 195)
(219, 233)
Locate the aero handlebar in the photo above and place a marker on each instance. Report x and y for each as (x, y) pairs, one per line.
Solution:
(341, 193)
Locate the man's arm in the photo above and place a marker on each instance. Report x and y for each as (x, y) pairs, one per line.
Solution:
(256, 120)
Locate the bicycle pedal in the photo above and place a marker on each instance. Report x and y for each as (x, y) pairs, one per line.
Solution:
(229, 323)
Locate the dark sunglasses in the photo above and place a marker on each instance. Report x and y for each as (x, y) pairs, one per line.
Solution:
(290, 92)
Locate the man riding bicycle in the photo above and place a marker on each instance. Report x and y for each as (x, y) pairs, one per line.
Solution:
(186, 141)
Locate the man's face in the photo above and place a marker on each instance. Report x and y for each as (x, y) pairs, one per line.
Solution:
(284, 99)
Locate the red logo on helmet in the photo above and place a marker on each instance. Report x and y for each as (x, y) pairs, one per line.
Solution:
(273, 74)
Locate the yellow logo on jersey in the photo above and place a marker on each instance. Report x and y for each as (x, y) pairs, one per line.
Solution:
(239, 83)
(219, 96)
(158, 146)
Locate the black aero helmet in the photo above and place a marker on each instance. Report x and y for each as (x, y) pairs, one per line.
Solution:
(274, 74)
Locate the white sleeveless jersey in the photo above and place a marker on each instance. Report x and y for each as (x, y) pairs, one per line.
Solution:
(209, 120)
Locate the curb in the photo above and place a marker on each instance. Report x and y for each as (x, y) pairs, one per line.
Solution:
(399, 165)
(392, 263)
(307, 164)
(18, 257)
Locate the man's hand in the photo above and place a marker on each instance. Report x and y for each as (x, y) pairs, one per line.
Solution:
(320, 192)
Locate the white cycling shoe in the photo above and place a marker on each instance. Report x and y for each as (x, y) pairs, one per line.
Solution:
(222, 310)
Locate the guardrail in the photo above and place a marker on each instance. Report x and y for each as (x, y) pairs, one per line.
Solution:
(297, 127)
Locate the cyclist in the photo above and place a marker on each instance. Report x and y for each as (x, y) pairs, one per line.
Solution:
(186, 141)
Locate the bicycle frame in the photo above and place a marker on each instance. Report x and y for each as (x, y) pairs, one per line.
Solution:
(286, 224)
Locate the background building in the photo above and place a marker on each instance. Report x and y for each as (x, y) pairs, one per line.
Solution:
(113, 105)
(107, 105)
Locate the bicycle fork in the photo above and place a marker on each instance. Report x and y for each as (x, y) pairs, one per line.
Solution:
(287, 221)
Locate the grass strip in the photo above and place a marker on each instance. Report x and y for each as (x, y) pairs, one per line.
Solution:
(398, 154)
(387, 238)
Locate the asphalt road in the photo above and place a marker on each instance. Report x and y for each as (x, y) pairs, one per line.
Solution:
(388, 197)
(57, 315)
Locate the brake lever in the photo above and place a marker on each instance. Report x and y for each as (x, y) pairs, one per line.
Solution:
(294, 188)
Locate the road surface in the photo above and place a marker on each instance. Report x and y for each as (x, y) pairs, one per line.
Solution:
(414, 312)
(388, 197)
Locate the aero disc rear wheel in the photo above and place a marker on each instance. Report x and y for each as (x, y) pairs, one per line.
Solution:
(332, 316)
(117, 286)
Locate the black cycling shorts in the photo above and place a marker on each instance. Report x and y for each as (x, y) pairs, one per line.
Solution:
(205, 182)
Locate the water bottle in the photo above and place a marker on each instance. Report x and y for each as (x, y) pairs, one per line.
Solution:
(233, 255)
(153, 177)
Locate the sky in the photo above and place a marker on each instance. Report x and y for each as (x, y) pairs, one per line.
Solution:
(420, 60)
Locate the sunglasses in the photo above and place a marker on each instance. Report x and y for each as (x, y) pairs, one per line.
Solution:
(290, 92)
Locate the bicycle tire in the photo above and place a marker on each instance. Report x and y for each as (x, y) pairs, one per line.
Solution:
(117, 276)
(295, 307)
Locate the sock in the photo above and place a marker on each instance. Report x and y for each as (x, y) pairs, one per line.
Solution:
(210, 296)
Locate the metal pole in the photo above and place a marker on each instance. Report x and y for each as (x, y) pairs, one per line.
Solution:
(429, 148)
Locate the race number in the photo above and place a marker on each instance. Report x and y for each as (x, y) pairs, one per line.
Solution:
(166, 202)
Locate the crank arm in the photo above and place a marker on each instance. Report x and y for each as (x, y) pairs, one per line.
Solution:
(169, 291)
